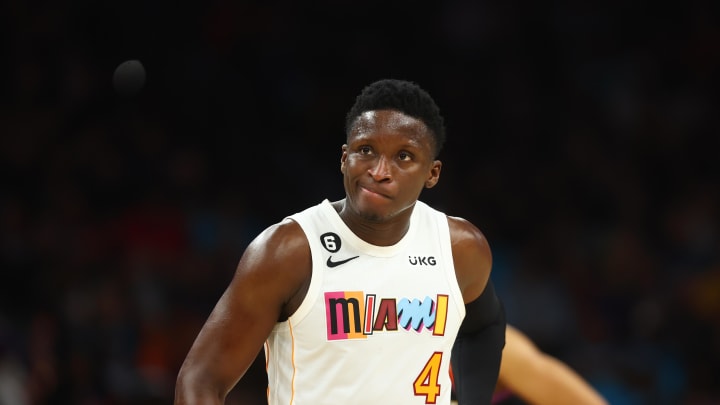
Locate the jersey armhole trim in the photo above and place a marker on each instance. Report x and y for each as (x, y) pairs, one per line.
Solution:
(446, 244)
(315, 277)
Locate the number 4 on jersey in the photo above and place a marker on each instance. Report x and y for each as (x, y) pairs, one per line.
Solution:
(427, 382)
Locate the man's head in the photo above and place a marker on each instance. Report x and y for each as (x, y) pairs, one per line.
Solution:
(405, 97)
(389, 157)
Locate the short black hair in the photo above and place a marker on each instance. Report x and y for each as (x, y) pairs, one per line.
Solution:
(404, 96)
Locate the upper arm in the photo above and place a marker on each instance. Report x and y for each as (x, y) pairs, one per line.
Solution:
(471, 256)
(268, 284)
(539, 378)
(477, 349)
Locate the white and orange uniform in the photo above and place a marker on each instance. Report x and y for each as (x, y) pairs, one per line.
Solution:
(378, 323)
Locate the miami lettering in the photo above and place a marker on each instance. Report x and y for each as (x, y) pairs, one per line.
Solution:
(355, 315)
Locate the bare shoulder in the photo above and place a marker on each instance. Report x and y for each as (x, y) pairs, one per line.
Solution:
(285, 238)
(471, 255)
(464, 231)
(278, 264)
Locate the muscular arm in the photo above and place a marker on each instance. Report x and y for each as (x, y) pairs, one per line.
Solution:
(478, 348)
(270, 280)
(541, 379)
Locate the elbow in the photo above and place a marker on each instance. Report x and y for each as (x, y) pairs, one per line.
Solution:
(183, 388)
(193, 387)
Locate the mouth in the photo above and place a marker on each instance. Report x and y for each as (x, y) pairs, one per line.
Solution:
(374, 192)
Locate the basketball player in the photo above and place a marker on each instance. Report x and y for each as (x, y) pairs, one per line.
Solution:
(362, 300)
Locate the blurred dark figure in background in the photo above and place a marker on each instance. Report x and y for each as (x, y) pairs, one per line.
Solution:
(538, 378)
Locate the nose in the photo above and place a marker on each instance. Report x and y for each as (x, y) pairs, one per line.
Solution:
(380, 171)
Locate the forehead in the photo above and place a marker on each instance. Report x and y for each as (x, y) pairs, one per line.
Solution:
(390, 122)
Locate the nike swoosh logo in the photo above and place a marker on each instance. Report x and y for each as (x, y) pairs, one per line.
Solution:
(331, 263)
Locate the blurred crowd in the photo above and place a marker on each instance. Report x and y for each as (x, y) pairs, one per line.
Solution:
(582, 140)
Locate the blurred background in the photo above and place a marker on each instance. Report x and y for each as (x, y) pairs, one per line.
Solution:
(582, 140)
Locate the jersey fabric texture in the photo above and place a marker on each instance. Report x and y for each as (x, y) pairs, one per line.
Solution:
(378, 323)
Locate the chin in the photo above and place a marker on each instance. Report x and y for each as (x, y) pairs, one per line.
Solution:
(373, 214)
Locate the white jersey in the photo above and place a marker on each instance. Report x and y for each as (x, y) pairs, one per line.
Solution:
(378, 323)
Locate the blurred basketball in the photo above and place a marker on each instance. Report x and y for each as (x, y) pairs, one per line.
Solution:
(129, 77)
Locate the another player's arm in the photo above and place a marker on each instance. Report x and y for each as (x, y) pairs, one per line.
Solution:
(539, 378)
(270, 281)
(478, 348)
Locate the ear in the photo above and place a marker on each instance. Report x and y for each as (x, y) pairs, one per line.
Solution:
(343, 158)
(434, 177)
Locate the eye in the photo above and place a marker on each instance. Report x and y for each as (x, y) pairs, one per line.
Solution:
(364, 150)
(404, 156)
